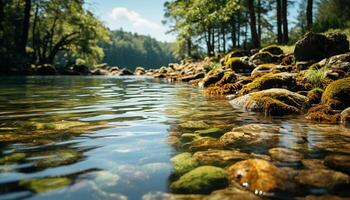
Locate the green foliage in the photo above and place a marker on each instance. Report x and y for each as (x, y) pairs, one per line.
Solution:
(315, 76)
(133, 50)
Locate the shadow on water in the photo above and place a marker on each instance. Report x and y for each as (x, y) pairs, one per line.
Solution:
(110, 138)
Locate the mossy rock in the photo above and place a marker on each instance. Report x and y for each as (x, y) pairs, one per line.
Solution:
(183, 163)
(13, 158)
(232, 54)
(315, 95)
(203, 144)
(323, 113)
(337, 94)
(45, 184)
(229, 77)
(238, 65)
(57, 158)
(139, 71)
(212, 132)
(226, 89)
(194, 125)
(273, 49)
(220, 158)
(202, 180)
(283, 80)
(322, 178)
(263, 69)
(262, 58)
(272, 102)
(345, 116)
(213, 77)
(188, 137)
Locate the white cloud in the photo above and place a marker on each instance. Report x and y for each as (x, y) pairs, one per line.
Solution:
(123, 14)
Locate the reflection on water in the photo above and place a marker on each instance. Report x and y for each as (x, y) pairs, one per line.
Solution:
(106, 137)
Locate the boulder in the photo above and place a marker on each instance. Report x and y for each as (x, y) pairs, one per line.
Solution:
(125, 72)
(262, 58)
(272, 102)
(337, 94)
(220, 158)
(315, 46)
(212, 77)
(139, 71)
(81, 69)
(194, 125)
(45, 69)
(192, 77)
(203, 144)
(315, 95)
(273, 49)
(256, 175)
(239, 65)
(212, 132)
(183, 163)
(262, 70)
(45, 184)
(280, 80)
(202, 180)
(322, 113)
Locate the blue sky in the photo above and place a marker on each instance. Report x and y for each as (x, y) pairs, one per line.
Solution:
(141, 16)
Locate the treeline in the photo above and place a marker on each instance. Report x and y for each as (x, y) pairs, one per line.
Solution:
(40, 31)
(226, 24)
(132, 50)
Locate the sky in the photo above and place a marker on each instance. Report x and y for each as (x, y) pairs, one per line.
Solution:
(140, 16)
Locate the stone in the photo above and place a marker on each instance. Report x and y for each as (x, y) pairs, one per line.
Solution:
(46, 69)
(273, 49)
(338, 162)
(315, 46)
(45, 184)
(262, 70)
(188, 137)
(220, 158)
(232, 193)
(183, 163)
(189, 78)
(212, 77)
(275, 102)
(194, 125)
(81, 69)
(337, 94)
(139, 71)
(202, 180)
(204, 143)
(125, 72)
(283, 80)
(322, 178)
(262, 58)
(168, 196)
(57, 158)
(345, 116)
(212, 132)
(313, 164)
(285, 155)
(13, 158)
(256, 175)
(323, 197)
(239, 65)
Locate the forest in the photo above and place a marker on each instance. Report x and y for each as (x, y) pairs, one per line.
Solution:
(222, 25)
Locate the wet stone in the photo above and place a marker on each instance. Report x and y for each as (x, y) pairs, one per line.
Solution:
(285, 155)
(232, 193)
(338, 162)
(167, 196)
(194, 125)
(204, 143)
(322, 178)
(220, 158)
(212, 132)
(13, 158)
(57, 158)
(313, 164)
(188, 137)
(322, 197)
(202, 180)
(45, 184)
(183, 163)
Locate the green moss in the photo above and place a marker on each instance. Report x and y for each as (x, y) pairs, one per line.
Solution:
(337, 94)
(57, 158)
(194, 125)
(201, 180)
(262, 58)
(13, 158)
(212, 132)
(224, 89)
(188, 137)
(272, 106)
(273, 49)
(315, 95)
(237, 65)
(45, 184)
(270, 80)
(229, 77)
(183, 163)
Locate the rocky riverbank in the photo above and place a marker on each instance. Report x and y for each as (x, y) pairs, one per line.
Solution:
(314, 81)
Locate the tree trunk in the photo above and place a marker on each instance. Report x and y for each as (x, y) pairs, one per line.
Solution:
(285, 21)
(34, 35)
(309, 14)
(2, 9)
(254, 34)
(189, 47)
(25, 27)
(259, 19)
(233, 31)
(279, 22)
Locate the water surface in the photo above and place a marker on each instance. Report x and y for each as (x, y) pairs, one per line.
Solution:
(106, 137)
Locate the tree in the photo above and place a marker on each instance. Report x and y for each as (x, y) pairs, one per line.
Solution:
(309, 15)
(279, 21)
(25, 28)
(285, 21)
(253, 31)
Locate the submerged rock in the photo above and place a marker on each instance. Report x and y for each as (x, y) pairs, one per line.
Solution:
(345, 116)
(167, 196)
(201, 180)
(13, 158)
(183, 163)
(322, 178)
(257, 175)
(194, 125)
(313, 164)
(220, 158)
(57, 158)
(204, 143)
(212, 132)
(285, 155)
(322, 197)
(337, 94)
(338, 162)
(45, 184)
(272, 102)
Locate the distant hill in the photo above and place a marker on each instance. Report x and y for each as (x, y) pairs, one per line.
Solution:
(132, 50)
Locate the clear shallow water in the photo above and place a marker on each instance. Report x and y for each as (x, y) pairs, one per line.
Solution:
(106, 137)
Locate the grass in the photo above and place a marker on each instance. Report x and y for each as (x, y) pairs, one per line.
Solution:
(315, 76)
